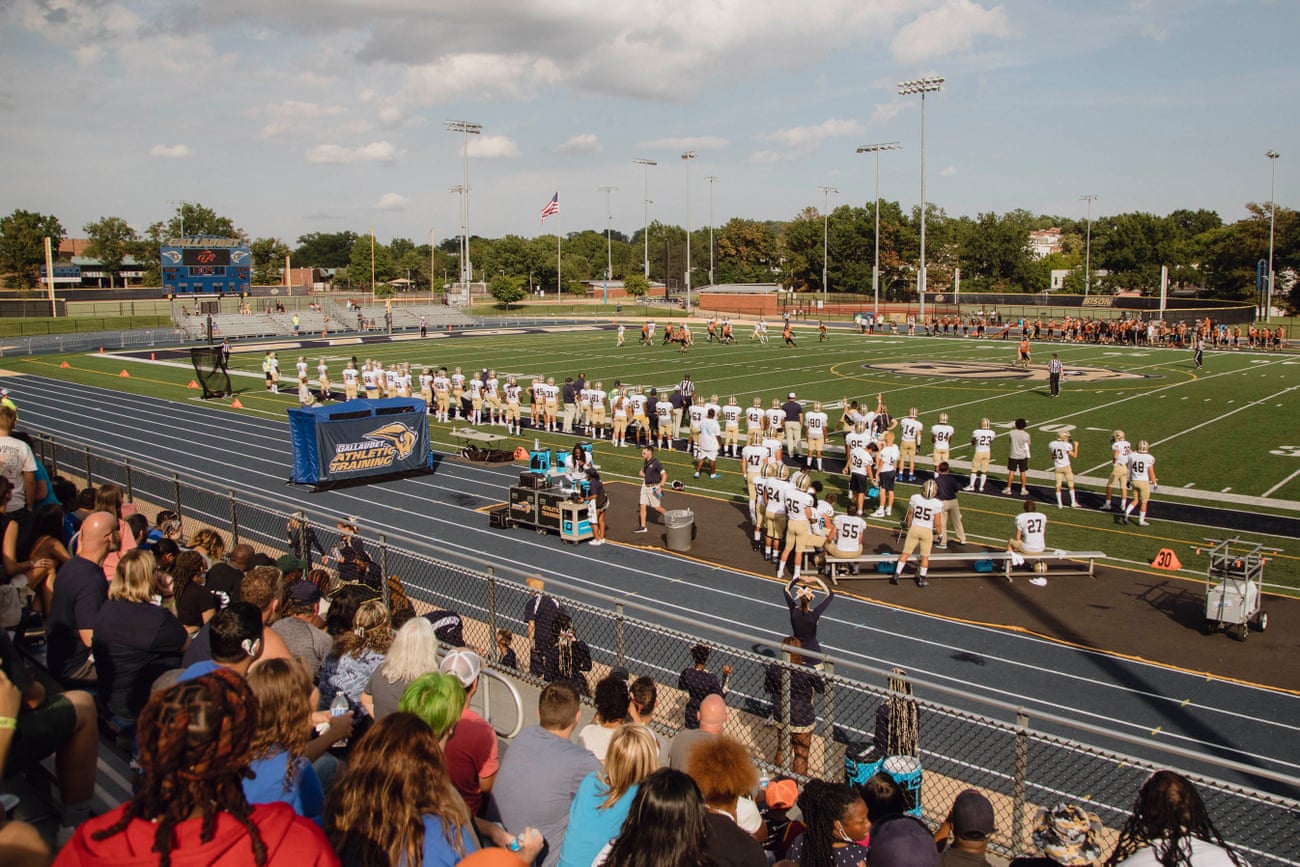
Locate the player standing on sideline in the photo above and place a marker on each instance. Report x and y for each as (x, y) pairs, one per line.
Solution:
(1031, 536)
(821, 331)
(664, 419)
(622, 334)
(775, 418)
(1142, 473)
(441, 395)
(888, 463)
(752, 458)
(791, 424)
(426, 390)
(815, 424)
(1199, 355)
(652, 486)
(754, 418)
(1018, 457)
(511, 412)
(982, 438)
(1063, 451)
(910, 429)
(350, 375)
(424, 327)
(458, 391)
(948, 487)
(323, 380)
(800, 514)
(775, 477)
(706, 447)
(941, 437)
(1119, 450)
(860, 466)
(1054, 371)
(924, 519)
(731, 427)
(620, 409)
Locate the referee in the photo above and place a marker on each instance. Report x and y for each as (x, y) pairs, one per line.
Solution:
(1054, 369)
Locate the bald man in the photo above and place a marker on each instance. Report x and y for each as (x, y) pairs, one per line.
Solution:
(79, 591)
(713, 716)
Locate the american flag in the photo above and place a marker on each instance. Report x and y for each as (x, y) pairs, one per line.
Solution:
(552, 207)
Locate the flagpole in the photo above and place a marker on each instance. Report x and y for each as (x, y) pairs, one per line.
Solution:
(558, 236)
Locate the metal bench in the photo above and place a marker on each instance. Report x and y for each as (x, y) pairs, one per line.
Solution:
(1003, 557)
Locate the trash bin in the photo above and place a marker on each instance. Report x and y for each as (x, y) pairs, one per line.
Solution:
(681, 526)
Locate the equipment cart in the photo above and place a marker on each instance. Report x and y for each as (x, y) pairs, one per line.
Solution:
(1234, 586)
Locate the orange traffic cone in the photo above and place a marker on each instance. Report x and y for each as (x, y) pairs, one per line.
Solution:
(65, 364)
(152, 357)
(192, 384)
(101, 350)
(235, 404)
(1166, 559)
(124, 375)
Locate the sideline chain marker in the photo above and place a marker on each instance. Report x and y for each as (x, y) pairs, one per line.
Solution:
(235, 404)
(1166, 559)
(65, 364)
(124, 374)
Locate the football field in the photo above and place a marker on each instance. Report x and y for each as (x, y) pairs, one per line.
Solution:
(1226, 438)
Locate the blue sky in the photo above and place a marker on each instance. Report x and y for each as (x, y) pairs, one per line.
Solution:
(320, 116)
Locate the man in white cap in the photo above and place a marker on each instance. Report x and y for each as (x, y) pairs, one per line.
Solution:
(471, 753)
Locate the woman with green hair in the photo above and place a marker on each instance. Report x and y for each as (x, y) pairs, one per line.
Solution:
(437, 699)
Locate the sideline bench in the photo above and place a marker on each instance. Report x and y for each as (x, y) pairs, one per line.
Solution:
(1072, 558)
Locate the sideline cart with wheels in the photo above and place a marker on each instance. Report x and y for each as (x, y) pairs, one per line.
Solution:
(1234, 586)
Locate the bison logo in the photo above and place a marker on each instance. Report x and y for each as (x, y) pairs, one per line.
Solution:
(398, 435)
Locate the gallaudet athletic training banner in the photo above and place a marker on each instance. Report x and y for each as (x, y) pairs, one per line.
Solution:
(359, 438)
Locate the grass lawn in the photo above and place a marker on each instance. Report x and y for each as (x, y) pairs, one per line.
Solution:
(1224, 436)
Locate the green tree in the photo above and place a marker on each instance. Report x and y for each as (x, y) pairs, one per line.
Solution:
(195, 219)
(360, 264)
(268, 261)
(636, 285)
(111, 240)
(22, 246)
(325, 250)
(746, 251)
(507, 289)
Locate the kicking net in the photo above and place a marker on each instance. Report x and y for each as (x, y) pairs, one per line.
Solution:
(207, 367)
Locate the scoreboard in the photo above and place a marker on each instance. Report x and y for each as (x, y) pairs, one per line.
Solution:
(206, 265)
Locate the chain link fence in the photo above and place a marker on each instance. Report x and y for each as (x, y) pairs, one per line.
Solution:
(1021, 762)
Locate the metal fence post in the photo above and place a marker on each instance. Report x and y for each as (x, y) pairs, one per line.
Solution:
(783, 737)
(1019, 780)
(619, 634)
(828, 707)
(303, 547)
(383, 569)
(90, 476)
(176, 493)
(54, 456)
(130, 488)
(491, 574)
(234, 520)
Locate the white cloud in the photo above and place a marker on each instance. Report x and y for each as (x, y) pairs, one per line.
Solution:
(884, 112)
(171, 152)
(765, 157)
(586, 143)
(298, 108)
(803, 138)
(702, 143)
(492, 147)
(376, 151)
(947, 29)
(392, 202)
(948, 171)
(480, 75)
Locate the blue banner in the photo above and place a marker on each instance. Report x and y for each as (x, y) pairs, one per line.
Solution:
(358, 439)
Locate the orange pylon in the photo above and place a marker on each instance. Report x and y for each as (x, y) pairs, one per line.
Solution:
(192, 384)
(101, 350)
(65, 364)
(235, 404)
(1166, 559)
(124, 374)
(152, 357)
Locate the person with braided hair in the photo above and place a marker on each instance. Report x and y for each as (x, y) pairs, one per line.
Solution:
(1170, 827)
(568, 657)
(836, 818)
(190, 807)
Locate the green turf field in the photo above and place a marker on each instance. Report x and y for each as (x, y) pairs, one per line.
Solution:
(1224, 436)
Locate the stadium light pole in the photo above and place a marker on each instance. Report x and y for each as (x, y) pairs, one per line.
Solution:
(931, 84)
(466, 129)
(826, 236)
(1272, 216)
(875, 267)
(1087, 246)
(712, 179)
(645, 212)
(687, 157)
(181, 210)
(464, 242)
(609, 245)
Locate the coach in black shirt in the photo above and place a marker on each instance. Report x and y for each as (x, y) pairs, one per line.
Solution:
(652, 485)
